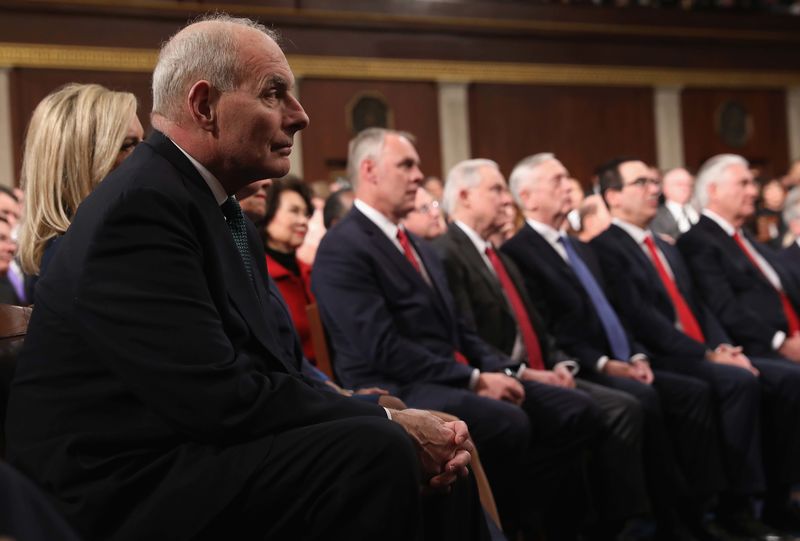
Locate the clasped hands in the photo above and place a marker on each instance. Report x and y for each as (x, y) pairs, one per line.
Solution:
(733, 356)
(443, 447)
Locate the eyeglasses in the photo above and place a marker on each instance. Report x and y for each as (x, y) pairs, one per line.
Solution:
(641, 182)
(427, 208)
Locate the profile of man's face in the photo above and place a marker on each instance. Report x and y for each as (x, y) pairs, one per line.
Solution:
(678, 186)
(9, 209)
(550, 190)
(637, 201)
(7, 247)
(398, 175)
(256, 122)
(735, 192)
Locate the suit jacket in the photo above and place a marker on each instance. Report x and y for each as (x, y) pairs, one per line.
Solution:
(642, 300)
(736, 291)
(480, 299)
(790, 258)
(559, 296)
(388, 327)
(155, 373)
(665, 223)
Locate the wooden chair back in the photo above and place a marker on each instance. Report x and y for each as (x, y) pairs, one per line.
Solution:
(319, 340)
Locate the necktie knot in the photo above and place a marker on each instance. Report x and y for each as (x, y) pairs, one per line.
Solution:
(232, 210)
(402, 238)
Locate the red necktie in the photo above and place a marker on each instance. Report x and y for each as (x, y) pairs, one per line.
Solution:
(529, 337)
(406, 244)
(688, 322)
(791, 316)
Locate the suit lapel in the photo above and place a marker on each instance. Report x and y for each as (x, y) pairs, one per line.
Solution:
(629, 245)
(240, 289)
(541, 247)
(474, 260)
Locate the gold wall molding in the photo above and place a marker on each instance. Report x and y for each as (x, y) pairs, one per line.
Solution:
(521, 24)
(17, 55)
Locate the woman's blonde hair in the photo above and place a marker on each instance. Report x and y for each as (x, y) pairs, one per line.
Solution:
(73, 140)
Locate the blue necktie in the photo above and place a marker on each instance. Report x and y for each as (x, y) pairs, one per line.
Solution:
(233, 214)
(620, 347)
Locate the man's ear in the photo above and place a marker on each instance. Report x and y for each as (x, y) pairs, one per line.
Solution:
(367, 170)
(202, 102)
(611, 198)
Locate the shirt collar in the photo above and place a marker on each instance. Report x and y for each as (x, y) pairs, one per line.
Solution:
(384, 224)
(722, 222)
(213, 184)
(675, 208)
(549, 233)
(637, 233)
(476, 239)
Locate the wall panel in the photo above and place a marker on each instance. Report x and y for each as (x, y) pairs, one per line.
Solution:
(583, 126)
(414, 108)
(767, 145)
(30, 86)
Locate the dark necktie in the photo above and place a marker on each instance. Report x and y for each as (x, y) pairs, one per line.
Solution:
(688, 322)
(615, 333)
(235, 218)
(792, 319)
(529, 337)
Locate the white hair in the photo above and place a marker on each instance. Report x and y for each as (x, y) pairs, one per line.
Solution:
(209, 52)
(463, 176)
(368, 144)
(711, 172)
(791, 207)
(522, 176)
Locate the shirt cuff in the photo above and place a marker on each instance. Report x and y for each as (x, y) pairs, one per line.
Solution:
(571, 365)
(388, 413)
(473, 379)
(640, 357)
(778, 340)
(601, 363)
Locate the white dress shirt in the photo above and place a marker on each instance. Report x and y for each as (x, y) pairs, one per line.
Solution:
(685, 215)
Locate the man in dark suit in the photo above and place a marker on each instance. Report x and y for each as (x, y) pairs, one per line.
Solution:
(564, 282)
(384, 299)
(490, 294)
(8, 293)
(157, 395)
(757, 302)
(676, 215)
(654, 294)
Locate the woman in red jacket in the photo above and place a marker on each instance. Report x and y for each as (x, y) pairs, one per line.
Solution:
(288, 210)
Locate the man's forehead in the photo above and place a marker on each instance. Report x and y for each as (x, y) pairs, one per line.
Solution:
(400, 144)
(633, 168)
(491, 175)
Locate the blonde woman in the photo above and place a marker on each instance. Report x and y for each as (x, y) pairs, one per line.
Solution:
(76, 136)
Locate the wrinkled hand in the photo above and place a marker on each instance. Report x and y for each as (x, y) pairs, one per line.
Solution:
(500, 387)
(443, 447)
(791, 348)
(733, 356)
(565, 377)
(638, 370)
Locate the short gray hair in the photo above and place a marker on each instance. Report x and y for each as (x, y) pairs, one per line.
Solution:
(462, 176)
(520, 176)
(191, 55)
(791, 207)
(368, 144)
(711, 172)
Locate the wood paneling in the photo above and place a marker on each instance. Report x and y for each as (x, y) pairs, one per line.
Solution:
(583, 126)
(30, 86)
(767, 146)
(414, 109)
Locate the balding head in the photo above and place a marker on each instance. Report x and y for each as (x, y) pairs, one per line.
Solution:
(222, 92)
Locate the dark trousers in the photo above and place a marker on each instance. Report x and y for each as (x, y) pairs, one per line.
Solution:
(681, 454)
(532, 454)
(616, 469)
(355, 478)
(737, 399)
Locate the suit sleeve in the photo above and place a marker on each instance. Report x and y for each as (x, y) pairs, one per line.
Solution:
(707, 266)
(650, 326)
(145, 304)
(355, 311)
